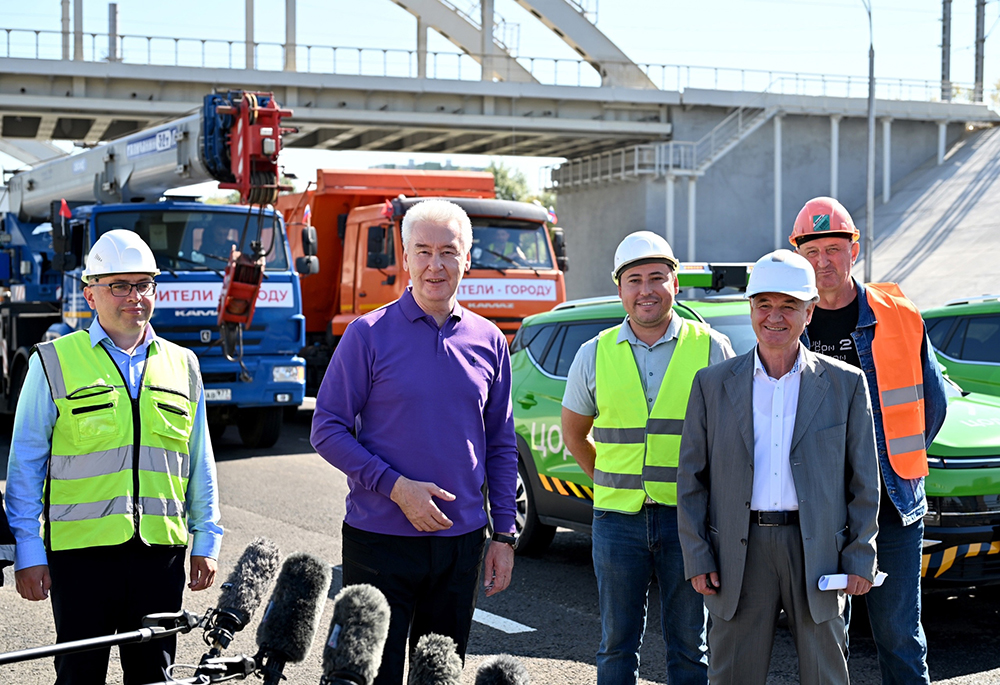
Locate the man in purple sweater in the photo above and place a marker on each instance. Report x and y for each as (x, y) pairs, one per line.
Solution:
(415, 408)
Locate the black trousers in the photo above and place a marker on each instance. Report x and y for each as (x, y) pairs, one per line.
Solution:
(431, 583)
(105, 590)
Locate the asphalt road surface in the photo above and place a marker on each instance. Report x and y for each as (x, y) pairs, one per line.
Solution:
(548, 617)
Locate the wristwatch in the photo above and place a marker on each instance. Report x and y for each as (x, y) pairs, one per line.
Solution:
(505, 538)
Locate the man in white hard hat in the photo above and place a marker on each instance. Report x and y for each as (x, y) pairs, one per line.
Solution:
(630, 385)
(875, 328)
(778, 487)
(110, 450)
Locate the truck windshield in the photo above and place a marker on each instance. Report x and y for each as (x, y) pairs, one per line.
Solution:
(202, 239)
(500, 244)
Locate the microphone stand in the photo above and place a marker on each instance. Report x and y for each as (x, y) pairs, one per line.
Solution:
(155, 627)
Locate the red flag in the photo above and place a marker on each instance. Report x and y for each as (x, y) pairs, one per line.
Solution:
(64, 210)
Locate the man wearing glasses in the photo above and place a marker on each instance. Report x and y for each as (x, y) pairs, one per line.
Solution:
(110, 451)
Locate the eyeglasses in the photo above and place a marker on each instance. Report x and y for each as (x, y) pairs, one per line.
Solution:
(124, 289)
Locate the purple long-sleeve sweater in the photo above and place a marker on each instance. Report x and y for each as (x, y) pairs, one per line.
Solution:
(427, 403)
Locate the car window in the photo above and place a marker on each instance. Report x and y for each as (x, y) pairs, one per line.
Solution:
(937, 330)
(954, 348)
(737, 328)
(566, 341)
(551, 358)
(538, 339)
(982, 340)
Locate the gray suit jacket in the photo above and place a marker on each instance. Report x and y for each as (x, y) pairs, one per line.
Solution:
(834, 467)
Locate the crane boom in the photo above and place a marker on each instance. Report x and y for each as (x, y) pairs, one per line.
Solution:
(234, 139)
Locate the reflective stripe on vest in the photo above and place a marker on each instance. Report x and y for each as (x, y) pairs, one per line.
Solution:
(99, 455)
(899, 334)
(638, 449)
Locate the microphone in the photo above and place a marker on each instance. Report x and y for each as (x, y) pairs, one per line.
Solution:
(242, 592)
(286, 632)
(358, 631)
(435, 662)
(502, 669)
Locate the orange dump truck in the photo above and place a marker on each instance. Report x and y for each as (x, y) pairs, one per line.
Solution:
(517, 266)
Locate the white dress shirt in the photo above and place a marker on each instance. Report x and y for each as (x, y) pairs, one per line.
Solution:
(775, 402)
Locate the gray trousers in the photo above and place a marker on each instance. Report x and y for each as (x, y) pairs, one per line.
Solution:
(774, 579)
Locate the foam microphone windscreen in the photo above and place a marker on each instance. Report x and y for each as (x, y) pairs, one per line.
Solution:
(244, 590)
(357, 635)
(435, 662)
(502, 669)
(287, 629)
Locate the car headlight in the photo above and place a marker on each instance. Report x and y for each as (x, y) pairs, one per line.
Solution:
(288, 374)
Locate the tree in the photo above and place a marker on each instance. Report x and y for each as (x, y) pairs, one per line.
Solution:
(511, 184)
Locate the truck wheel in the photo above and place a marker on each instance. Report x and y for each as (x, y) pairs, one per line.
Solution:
(260, 427)
(534, 536)
(216, 430)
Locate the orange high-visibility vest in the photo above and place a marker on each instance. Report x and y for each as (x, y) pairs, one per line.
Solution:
(899, 334)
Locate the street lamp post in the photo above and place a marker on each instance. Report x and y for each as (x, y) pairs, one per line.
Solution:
(870, 195)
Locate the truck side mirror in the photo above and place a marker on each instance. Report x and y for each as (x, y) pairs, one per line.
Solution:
(310, 242)
(559, 248)
(378, 257)
(307, 265)
(66, 244)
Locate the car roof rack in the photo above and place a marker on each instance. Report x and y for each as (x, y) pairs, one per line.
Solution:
(970, 300)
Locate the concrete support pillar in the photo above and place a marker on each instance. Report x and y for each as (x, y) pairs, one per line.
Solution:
(942, 141)
(946, 50)
(251, 61)
(692, 214)
(65, 29)
(777, 182)
(670, 178)
(290, 35)
(113, 32)
(977, 94)
(421, 48)
(78, 30)
(487, 39)
(886, 160)
(835, 154)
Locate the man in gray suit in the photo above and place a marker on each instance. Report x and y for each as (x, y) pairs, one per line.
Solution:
(778, 485)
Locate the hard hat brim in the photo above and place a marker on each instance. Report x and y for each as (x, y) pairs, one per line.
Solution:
(809, 237)
(803, 295)
(656, 259)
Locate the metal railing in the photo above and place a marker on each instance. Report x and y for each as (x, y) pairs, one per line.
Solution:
(402, 63)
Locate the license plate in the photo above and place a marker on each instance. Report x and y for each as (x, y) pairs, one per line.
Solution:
(218, 394)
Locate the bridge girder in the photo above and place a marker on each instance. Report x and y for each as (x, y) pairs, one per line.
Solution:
(467, 37)
(335, 111)
(614, 66)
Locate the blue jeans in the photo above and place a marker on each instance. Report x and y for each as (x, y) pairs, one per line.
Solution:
(628, 550)
(894, 608)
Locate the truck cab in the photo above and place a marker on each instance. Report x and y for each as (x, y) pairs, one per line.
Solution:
(191, 242)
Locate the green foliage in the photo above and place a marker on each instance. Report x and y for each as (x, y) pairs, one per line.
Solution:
(511, 184)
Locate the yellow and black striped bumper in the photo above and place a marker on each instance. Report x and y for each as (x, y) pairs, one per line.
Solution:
(935, 564)
(566, 488)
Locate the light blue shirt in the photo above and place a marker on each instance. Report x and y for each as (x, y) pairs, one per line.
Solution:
(31, 446)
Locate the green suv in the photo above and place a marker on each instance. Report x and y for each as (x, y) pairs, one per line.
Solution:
(966, 338)
(962, 528)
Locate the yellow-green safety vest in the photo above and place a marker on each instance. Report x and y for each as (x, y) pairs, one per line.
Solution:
(638, 449)
(118, 465)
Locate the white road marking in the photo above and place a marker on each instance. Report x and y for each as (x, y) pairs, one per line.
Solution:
(500, 623)
(486, 618)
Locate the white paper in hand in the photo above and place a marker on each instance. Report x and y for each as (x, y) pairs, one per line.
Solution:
(838, 581)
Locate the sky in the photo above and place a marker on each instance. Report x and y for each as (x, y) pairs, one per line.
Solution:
(828, 37)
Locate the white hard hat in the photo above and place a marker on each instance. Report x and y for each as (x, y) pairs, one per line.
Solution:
(786, 272)
(642, 246)
(120, 252)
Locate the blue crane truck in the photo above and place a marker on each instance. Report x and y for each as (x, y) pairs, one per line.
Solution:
(58, 209)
